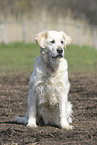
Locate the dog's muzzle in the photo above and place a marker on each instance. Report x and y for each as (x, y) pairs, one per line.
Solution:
(59, 53)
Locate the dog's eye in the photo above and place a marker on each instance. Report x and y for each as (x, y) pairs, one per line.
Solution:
(53, 41)
(62, 41)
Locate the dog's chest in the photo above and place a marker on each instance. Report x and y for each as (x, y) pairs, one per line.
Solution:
(50, 90)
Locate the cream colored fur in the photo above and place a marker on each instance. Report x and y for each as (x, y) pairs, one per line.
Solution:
(49, 85)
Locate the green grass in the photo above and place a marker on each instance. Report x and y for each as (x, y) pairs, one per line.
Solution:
(82, 59)
(17, 56)
(20, 57)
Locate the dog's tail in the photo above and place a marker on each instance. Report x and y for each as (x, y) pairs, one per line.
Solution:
(22, 120)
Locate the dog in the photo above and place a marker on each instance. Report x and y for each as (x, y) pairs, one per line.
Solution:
(49, 85)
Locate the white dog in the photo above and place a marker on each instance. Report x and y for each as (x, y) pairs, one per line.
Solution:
(49, 85)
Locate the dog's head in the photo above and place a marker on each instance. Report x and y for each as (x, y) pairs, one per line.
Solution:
(52, 45)
(53, 42)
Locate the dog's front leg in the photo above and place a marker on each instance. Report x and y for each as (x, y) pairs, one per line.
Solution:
(63, 114)
(31, 109)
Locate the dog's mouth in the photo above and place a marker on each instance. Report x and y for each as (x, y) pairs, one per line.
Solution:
(57, 56)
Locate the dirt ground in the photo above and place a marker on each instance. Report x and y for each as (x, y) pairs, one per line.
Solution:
(13, 100)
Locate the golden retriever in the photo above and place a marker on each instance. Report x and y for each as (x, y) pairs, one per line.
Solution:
(49, 85)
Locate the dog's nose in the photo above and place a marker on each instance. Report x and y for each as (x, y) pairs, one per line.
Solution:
(59, 50)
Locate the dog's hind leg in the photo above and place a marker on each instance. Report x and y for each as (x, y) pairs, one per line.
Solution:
(69, 112)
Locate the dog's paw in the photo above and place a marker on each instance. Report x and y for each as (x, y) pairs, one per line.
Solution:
(65, 124)
(31, 125)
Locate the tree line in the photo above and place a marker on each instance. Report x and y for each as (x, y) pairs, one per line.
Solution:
(78, 8)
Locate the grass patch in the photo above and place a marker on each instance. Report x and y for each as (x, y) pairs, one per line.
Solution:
(81, 59)
(17, 56)
(20, 57)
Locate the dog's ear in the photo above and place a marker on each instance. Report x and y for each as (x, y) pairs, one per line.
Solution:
(67, 39)
(41, 37)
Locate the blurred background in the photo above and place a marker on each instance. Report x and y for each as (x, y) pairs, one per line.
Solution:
(20, 20)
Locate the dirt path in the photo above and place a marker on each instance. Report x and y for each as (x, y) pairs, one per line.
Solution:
(13, 100)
